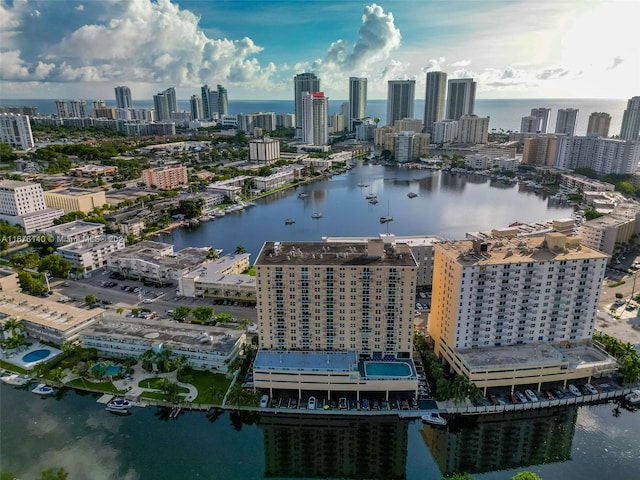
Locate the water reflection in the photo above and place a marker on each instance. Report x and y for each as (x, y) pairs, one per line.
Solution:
(489, 443)
(335, 447)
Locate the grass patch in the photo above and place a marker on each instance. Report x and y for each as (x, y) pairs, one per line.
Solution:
(616, 284)
(11, 367)
(156, 383)
(211, 386)
(106, 387)
(160, 396)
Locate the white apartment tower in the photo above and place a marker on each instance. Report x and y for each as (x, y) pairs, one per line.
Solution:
(529, 124)
(599, 124)
(473, 129)
(123, 97)
(62, 109)
(16, 131)
(434, 99)
(357, 100)
(401, 96)
(461, 98)
(445, 131)
(21, 198)
(630, 129)
(78, 108)
(196, 107)
(566, 121)
(314, 118)
(303, 83)
(603, 155)
(542, 114)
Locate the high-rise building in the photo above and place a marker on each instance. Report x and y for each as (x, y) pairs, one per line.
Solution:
(172, 100)
(473, 129)
(401, 96)
(529, 124)
(223, 102)
(630, 129)
(602, 155)
(123, 97)
(161, 106)
(542, 114)
(78, 109)
(285, 120)
(461, 98)
(324, 308)
(303, 82)
(62, 109)
(23, 203)
(196, 107)
(445, 131)
(314, 118)
(206, 109)
(566, 121)
(166, 177)
(247, 122)
(540, 150)
(357, 100)
(599, 124)
(16, 131)
(434, 99)
(509, 304)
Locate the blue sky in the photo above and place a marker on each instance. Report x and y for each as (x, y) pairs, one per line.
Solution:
(514, 49)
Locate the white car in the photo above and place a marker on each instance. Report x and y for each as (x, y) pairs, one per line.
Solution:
(264, 401)
(147, 300)
(592, 390)
(312, 403)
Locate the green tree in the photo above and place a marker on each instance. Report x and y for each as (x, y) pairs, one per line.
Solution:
(25, 260)
(224, 317)
(203, 313)
(54, 263)
(90, 299)
(53, 474)
(181, 313)
(6, 153)
(13, 327)
(43, 244)
(70, 217)
(458, 476)
(32, 285)
(525, 476)
(240, 249)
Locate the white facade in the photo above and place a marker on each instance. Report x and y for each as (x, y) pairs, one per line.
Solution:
(20, 198)
(445, 131)
(314, 118)
(275, 180)
(473, 129)
(461, 98)
(303, 83)
(403, 147)
(566, 121)
(599, 124)
(247, 122)
(264, 150)
(285, 120)
(434, 99)
(357, 100)
(16, 131)
(92, 254)
(603, 155)
(630, 129)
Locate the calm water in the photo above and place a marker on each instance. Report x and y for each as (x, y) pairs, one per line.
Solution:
(448, 205)
(505, 114)
(76, 433)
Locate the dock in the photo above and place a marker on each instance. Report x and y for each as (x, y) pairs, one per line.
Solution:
(106, 398)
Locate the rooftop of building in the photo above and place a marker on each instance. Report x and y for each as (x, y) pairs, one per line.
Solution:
(551, 246)
(213, 339)
(76, 227)
(6, 272)
(215, 268)
(73, 192)
(167, 167)
(163, 254)
(339, 254)
(97, 242)
(576, 356)
(45, 312)
(344, 361)
(411, 240)
(10, 184)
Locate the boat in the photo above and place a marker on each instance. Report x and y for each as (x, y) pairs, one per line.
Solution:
(219, 213)
(370, 196)
(119, 404)
(387, 218)
(412, 195)
(316, 215)
(118, 411)
(43, 389)
(434, 418)
(303, 195)
(363, 185)
(633, 398)
(373, 201)
(15, 379)
(289, 221)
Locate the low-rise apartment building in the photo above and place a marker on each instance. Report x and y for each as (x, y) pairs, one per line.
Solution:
(75, 199)
(74, 232)
(165, 178)
(91, 254)
(220, 279)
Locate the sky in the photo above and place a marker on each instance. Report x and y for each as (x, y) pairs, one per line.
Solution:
(513, 48)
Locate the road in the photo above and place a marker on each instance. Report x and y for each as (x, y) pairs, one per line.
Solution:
(622, 324)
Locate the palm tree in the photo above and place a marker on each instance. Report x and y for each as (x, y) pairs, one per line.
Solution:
(14, 327)
(236, 395)
(240, 249)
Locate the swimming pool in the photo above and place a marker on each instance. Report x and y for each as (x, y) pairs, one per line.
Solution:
(36, 355)
(107, 369)
(387, 369)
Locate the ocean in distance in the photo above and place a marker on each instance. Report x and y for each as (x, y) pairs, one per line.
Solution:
(505, 114)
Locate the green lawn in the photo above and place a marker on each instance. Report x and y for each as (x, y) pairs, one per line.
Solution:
(159, 396)
(11, 367)
(211, 386)
(106, 387)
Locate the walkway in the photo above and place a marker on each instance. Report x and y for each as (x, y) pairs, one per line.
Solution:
(139, 375)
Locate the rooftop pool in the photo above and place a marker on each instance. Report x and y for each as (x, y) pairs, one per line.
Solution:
(387, 369)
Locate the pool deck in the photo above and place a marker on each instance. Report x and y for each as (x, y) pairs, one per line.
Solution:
(16, 356)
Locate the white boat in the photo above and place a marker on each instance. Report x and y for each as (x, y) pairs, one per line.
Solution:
(289, 221)
(373, 201)
(369, 196)
(316, 215)
(43, 389)
(434, 418)
(15, 379)
(388, 218)
(219, 213)
(118, 404)
(633, 398)
(412, 195)
(303, 195)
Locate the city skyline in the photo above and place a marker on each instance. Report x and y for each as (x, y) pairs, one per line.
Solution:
(255, 49)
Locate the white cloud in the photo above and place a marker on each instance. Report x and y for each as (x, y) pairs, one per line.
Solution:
(80, 8)
(616, 62)
(460, 63)
(434, 64)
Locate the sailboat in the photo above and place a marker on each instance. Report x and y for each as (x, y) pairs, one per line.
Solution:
(388, 218)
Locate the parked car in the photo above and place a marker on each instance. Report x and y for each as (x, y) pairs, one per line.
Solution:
(293, 403)
(342, 403)
(530, 395)
(264, 401)
(312, 403)
(365, 404)
(574, 390)
(493, 399)
(521, 397)
(549, 395)
(592, 390)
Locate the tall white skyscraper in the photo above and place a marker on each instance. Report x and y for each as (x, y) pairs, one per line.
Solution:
(434, 98)
(529, 124)
(461, 98)
(566, 121)
(16, 131)
(223, 103)
(314, 118)
(62, 109)
(401, 96)
(542, 114)
(473, 129)
(357, 100)
(123, 97)
(172, 100)
(630, 129)
(204, 93)
(78, 109)
(303, 82)
(599, 124)
(161, 105)
(196, 107)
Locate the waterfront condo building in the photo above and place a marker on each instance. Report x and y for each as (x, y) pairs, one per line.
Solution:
(123, 97)
(401, 96)
(357, 100)
(434, 98)
(566, 121)
(303, 83)
(16, 131)
(602, 155)
(630, 129)
(264, 150)
(518, 311)
(473, 129)
(599, 124)
(335, 317)
(461, 98)
(165, 178)
(542, 114)
(315, 129)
